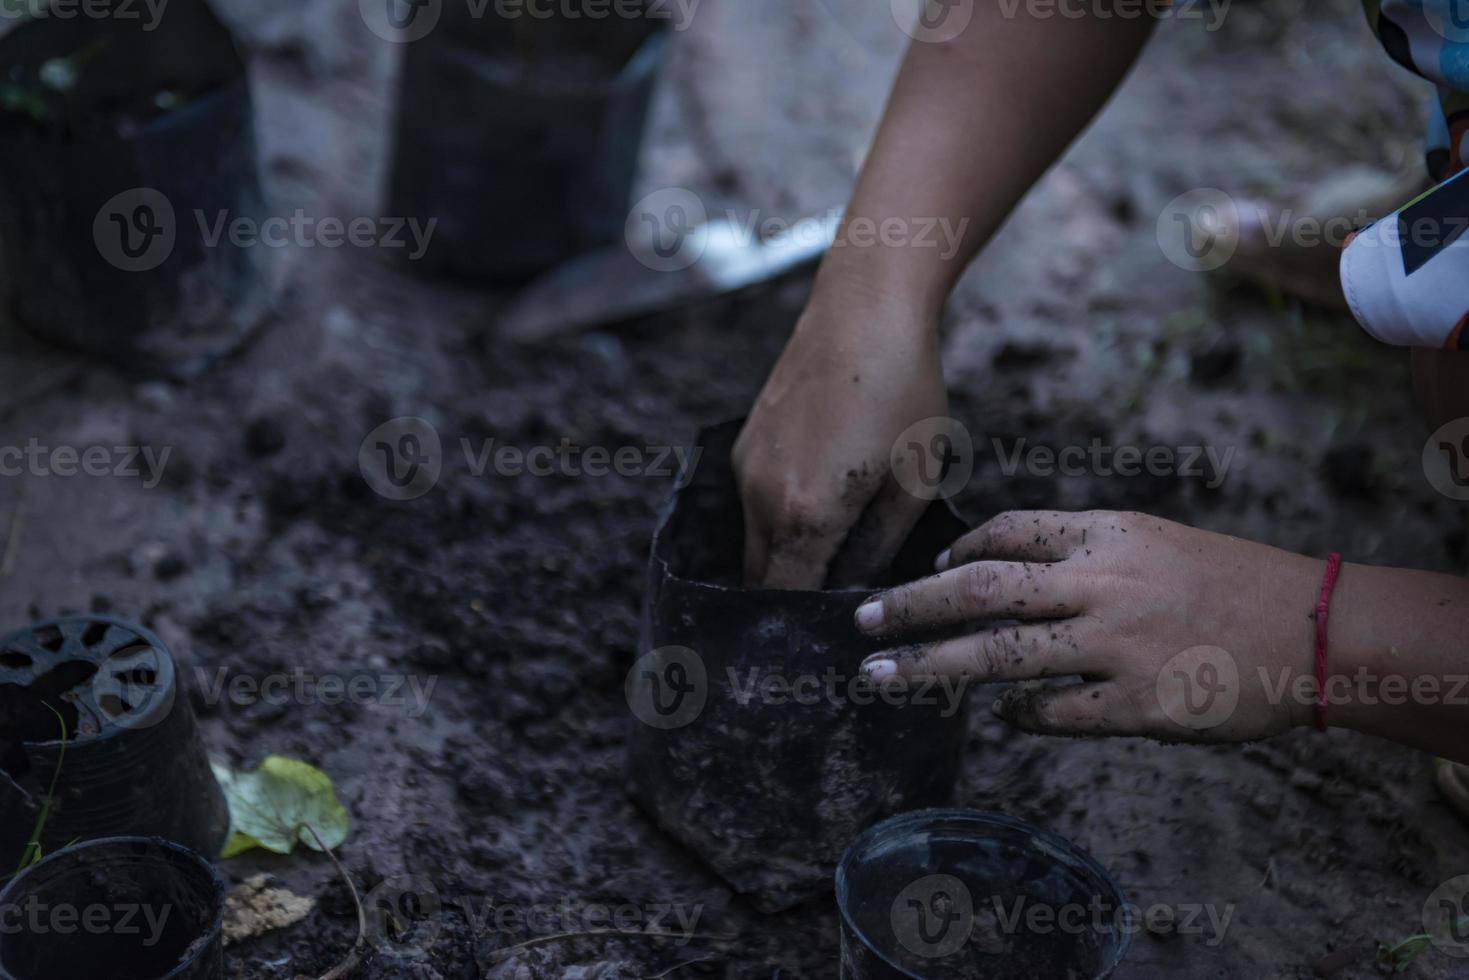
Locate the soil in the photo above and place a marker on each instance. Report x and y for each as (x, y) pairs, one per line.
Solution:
(263, 551)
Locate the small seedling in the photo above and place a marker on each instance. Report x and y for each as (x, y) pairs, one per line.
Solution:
(32, 853)
(1400, 955)
(57, 76)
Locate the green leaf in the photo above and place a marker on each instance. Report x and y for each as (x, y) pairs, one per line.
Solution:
(1400, 956)
(14, 98)
(274, 806)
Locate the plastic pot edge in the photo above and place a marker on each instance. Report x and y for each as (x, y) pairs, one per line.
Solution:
(215, 928)
(1054, 842)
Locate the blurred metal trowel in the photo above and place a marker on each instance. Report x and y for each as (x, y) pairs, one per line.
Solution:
(650, 274)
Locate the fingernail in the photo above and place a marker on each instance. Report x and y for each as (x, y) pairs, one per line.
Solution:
(869, 615)
(998, 707)
(880, 670)
(942, 561)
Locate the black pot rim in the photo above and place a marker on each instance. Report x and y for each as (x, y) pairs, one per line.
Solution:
(979, 819)
(756, 591)
(190, 856)
(644, 61)
(665, 567)
(162, 123)
(204, 102)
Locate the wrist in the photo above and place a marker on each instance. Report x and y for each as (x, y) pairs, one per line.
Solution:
(1290, 640)
(1394, 666)
(1360, 651)
(1341, 605)
(866, 283)
(1388, 628)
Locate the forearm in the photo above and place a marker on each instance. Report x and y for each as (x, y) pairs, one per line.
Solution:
(970, 125)
(1398, 657)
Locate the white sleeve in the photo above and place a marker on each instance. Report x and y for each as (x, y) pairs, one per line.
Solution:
(1406, 277)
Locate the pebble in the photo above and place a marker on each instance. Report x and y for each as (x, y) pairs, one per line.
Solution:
(1215, 362)
(1348, 469)
(264, 437)
(169, 567)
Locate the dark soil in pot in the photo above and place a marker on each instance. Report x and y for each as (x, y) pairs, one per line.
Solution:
(123, 146)
(127, 908)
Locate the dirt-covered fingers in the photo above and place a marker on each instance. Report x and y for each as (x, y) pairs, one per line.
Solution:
(1024, 535)
(1023, 651)
(977, 591)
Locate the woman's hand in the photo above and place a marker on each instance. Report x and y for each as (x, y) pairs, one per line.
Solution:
(1178, 633)
(813, 462)
(1182, 634)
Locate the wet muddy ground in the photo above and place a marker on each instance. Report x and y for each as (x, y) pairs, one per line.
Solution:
(261, 551)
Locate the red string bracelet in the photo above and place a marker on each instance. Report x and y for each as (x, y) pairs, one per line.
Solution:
(1323, 614)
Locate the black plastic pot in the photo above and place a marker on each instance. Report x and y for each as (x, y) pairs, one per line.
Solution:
(957, 894)
(133, 762)
(758, 744)
(124, 908)
(109, 202)
(523, 147)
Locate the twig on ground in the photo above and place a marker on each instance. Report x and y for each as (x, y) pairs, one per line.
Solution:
(500, 955)
(354, 955)
(679, 966)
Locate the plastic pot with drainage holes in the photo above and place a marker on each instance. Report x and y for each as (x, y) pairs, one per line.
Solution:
(758, 743)
(132, 762)
(124, 908)
(959, 894)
